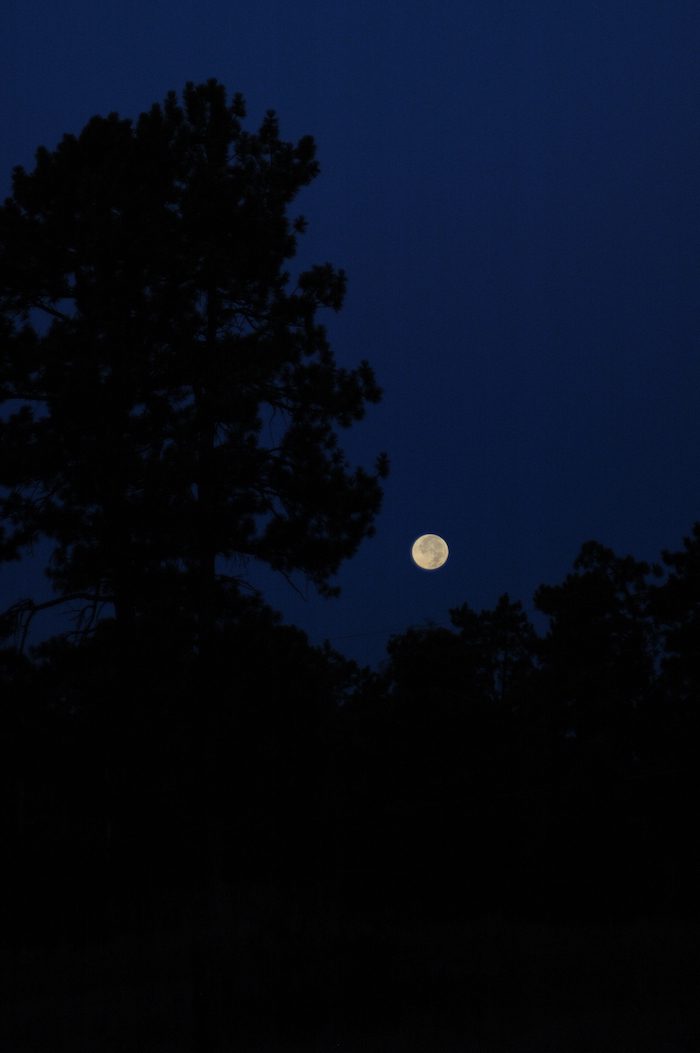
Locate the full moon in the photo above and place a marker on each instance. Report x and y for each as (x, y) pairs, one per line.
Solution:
(429, 552)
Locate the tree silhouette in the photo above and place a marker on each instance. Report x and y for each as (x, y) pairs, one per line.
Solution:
(597, 682)
(502, 644)
(676, 608)
(175, 397)
(600, 652)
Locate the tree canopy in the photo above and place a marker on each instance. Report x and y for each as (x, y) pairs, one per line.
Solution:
(175, 400)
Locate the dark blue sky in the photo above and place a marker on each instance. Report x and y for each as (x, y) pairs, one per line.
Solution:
(514, 190)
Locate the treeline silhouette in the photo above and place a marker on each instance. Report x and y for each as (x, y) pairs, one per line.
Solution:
(285, 815)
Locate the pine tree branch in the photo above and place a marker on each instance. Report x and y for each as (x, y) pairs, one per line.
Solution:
(24, 611)
(51, 310)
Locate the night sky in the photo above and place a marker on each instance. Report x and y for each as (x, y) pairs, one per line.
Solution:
(514, 191)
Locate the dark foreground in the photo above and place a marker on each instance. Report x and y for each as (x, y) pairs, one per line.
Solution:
(481, 985)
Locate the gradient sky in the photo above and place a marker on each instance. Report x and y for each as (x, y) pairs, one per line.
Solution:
(513, 187)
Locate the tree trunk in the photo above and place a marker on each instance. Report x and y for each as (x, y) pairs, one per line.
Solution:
(206, 498)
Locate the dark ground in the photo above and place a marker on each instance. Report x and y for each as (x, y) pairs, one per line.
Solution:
(484, 985)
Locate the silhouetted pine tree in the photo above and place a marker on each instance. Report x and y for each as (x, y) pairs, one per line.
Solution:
(176, 399)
